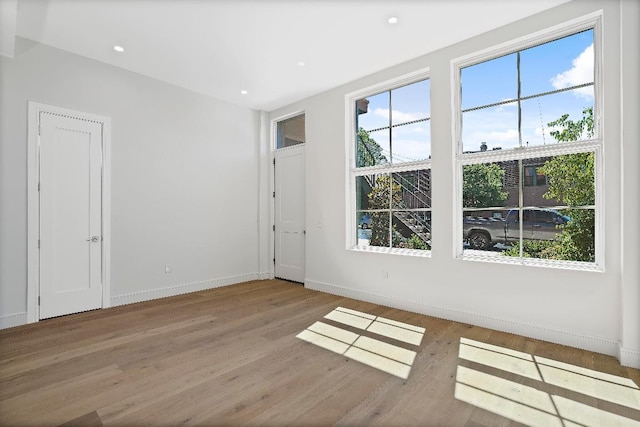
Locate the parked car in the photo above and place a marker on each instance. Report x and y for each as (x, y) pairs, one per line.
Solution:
(537, 224)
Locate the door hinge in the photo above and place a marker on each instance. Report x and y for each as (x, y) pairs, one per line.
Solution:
(38, 129)
(38, 243)
(38, 300)
(38, 186)
(274, 194)
(274, 162)
(274, 261)
(274, 227)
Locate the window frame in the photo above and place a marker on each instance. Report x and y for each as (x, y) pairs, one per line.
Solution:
(351, 171)
(591, 21)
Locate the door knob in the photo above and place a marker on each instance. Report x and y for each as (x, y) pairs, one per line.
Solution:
(94, 239)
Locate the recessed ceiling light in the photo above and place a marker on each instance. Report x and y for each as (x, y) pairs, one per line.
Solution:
(243, 92)
(393, 20)
(301, 64)
(118, 48)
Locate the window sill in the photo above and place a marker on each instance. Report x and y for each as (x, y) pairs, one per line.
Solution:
(495, 257)
(393, 251)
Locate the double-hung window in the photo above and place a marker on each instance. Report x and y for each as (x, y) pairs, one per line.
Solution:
(390, 169)
(529, 150)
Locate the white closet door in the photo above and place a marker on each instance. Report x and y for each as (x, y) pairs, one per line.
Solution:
(290, 213)
(70, 215)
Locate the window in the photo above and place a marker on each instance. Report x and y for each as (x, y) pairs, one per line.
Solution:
(290, 132)
(390, 171)
(533, 176)
(529, 150)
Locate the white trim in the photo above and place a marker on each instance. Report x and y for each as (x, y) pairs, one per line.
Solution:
(392, 251)
(350, 143)
(586, 22)
(33, 261)
(390, 168)
(484, 256)
(12, 320)
(514, 326)
(629, 357)
(289, 148)
(264, 197)
(266, 275)
(170, 291)
(529, 153)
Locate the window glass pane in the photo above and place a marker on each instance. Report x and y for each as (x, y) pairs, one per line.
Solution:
(380, 194)
(411, 142)
(412, 230)
(570, 181)
(414, 189)
(490, 185)
(372, 148)
(489, 82)
(559, 64)
(290, 132)
(496, 127)
(565, 234)
(372, 112)
(534, 185)
(543, 116)
(364, 185)
(379, 229)
(410, 102)
(363, 228)
(485, 230)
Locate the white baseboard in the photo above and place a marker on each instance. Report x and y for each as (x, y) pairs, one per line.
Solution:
(629, 357)
(186, 288)
(266, 276)
(581, 341)
(11, 320)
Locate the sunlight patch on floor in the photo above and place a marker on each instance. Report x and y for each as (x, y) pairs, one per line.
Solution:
(386, 357)
(532, 406)
(389, 328)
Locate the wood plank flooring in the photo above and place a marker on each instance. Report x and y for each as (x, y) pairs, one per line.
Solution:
(230, 356)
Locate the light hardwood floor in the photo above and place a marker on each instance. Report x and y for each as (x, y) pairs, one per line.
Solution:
(230, 356)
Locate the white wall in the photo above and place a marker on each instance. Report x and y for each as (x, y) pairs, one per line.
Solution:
(184, 173)
(630, 212)
(577, 308)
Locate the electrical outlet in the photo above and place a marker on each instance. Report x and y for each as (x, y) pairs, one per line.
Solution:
(167, 268)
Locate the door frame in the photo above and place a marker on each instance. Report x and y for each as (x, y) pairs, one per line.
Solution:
(272, 185)
(33, 202)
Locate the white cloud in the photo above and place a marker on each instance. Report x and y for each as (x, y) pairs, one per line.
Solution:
(509, 105)
(399, 116)
(411, 150)
(580, 72)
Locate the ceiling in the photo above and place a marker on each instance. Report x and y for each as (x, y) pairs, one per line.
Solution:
(222, 47)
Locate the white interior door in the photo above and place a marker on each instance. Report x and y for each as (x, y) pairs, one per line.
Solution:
(290, 213)
(70, 215)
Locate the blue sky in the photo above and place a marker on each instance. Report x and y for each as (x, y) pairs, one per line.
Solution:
(563, 63)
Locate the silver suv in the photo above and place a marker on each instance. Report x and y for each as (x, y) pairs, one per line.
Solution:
(537, 224)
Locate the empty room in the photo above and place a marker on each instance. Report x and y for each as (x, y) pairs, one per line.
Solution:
(394, 213)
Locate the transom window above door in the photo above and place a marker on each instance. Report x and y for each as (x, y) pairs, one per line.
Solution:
(290, 132)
